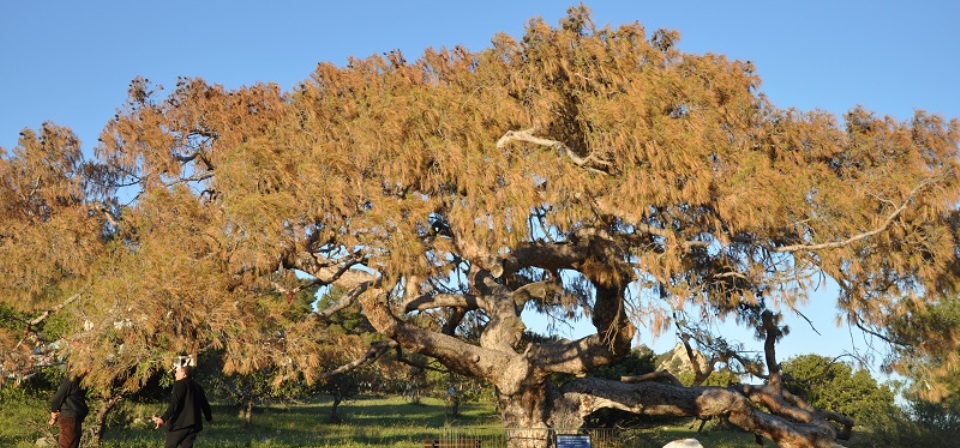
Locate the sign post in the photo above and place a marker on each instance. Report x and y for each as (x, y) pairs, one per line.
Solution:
(573, 441)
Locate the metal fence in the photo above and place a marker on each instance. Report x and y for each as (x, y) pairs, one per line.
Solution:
(494, 437)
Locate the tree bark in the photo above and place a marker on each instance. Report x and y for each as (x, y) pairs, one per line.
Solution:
(99, 423)
(335, 409)
(524, 417)
(786, 425)
(247, 411)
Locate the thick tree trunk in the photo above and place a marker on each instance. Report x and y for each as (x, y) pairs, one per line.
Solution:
(525, 418)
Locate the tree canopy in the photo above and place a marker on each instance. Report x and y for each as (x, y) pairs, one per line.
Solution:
(578, 171)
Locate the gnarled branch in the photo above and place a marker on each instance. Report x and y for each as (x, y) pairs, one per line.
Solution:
(789, 426)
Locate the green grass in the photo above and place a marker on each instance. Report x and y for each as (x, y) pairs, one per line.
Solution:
(23, 422)
(380, 422)
(368, 422)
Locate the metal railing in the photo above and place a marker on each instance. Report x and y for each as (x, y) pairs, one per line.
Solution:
(498, 437)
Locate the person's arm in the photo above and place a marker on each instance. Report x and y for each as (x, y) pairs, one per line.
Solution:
(58, 398)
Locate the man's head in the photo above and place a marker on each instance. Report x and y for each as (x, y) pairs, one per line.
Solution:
(182, 372)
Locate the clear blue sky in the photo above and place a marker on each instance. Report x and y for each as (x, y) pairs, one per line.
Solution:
(70, 61)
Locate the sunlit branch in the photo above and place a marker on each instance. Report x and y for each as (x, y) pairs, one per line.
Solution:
(862, 236)
(754, 408)
(549, 256)
(537, 290)
(107, 215)
(43, 316)
(426, 302)
(846, 423)
(527, 137)
(343, 268)
(194, 178)
(346, 300)
(787, 405)
(660, 375)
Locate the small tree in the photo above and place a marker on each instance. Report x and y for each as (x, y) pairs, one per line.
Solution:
(837, 386)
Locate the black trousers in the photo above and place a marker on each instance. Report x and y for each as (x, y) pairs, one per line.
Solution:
(183, 438)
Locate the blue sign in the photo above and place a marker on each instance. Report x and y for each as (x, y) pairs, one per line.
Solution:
(573, 441)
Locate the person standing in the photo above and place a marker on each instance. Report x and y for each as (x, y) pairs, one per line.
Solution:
(182, 417)
(69, 407)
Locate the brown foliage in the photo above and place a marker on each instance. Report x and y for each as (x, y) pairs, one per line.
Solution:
(588, 171)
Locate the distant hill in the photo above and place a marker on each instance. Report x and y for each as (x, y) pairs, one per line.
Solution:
(677, 362)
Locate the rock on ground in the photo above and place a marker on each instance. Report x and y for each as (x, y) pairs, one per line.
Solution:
(685, 443)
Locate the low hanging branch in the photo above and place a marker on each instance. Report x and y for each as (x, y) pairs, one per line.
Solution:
(766, 410)
(373, 353)
(752, 408)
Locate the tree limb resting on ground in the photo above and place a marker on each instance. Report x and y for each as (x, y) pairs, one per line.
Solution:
(587, 395)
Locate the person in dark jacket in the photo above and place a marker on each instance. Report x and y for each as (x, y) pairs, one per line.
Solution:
(182, 417)
(69, 407)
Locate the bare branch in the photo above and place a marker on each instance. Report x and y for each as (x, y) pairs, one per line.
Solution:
(345, 300)
(859, 324)
(583, 162)
(862, 236)
(723, 351)
(809, 322)
(373, 353)
(432, 301)
(699, 375)
(43, 316)
(538, 290)
(660, 375)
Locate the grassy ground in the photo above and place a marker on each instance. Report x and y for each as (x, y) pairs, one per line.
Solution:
(386, 422)
(368, 422)
(21, 422)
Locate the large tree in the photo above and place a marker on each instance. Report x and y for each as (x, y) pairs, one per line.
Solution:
(582, 172)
